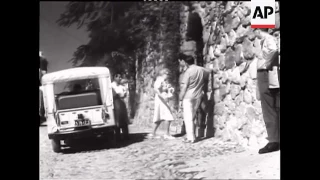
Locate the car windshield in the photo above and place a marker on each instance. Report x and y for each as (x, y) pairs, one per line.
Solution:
(76, 86)
(76, 94)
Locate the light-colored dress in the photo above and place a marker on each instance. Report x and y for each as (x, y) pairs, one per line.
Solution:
(161, 109)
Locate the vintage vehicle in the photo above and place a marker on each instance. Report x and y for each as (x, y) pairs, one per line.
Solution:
(81, 114)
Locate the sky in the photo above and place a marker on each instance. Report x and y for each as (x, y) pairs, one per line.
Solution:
(58, 43)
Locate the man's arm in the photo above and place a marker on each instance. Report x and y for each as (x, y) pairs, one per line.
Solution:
(269, 51)
(273, 52)
(271, 44)
(184, 86)
(183, 91)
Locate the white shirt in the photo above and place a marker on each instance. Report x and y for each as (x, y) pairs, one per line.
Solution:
(268, 48)
(118, 89)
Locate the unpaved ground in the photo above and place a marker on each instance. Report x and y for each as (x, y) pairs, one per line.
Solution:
(245, 165)
(143, 158)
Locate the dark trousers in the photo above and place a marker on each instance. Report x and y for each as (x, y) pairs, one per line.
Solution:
(131, 104)
(270, 104)
(41, 105)
(125, 132)
(121, 118)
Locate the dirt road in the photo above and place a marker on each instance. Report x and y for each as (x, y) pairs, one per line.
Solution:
(143, 158)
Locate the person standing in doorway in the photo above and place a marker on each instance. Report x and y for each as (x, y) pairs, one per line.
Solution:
(269, 89)
(194, 86)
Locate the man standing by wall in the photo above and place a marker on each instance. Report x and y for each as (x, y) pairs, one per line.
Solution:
(202, 110)
(194, 85)
(182, 68)
(269, 89)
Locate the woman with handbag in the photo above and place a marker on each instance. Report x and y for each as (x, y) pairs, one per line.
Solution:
(162, 111)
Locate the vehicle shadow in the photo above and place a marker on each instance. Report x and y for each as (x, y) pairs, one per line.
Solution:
(96, 144)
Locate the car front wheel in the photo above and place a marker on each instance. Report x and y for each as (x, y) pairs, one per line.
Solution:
(56, 145)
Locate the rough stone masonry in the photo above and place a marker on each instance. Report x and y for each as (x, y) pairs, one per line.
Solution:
(231, 51)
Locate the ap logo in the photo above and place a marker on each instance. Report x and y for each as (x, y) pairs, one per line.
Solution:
(263, 14)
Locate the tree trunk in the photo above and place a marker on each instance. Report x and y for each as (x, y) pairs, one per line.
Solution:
(163, 55)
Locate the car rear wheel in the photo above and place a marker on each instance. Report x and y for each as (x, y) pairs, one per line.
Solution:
(42, 119)
(110, 139)
(56, 145)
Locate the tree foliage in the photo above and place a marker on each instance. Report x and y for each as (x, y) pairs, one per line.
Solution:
(113, 26)
(125, 34)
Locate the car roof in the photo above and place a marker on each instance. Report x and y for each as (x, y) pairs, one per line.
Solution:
(72, 74)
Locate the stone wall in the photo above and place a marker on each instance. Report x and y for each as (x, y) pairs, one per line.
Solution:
(231, 51)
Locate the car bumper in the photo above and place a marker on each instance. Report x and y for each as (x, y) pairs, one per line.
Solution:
(75, 134)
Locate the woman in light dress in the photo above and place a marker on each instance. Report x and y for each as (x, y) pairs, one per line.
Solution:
(162, 112)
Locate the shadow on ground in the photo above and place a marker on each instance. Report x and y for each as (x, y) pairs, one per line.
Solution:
(96, 144)
(178, 135)
(198, 138)
(203, 138)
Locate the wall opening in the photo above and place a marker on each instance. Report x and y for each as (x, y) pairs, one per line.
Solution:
(194, 33)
